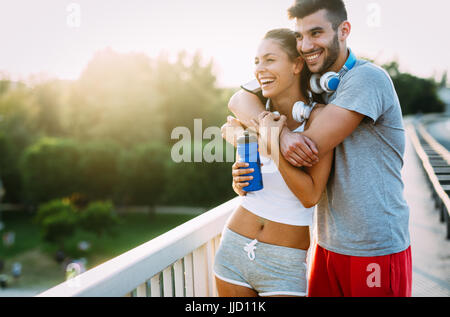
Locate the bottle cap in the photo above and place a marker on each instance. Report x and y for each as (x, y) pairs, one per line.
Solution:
(247, 137)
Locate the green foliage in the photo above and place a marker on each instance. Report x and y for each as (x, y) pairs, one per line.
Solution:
(47, 101)
(99, 173)
(9, 171)
(98, 217)
(143, 174)
(51, 169)
(17, 131)
(57, 220)
(199, 183)
(188, 91)
(416, 95)
(115, 99)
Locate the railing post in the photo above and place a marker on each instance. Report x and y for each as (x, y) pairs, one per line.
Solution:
(167, 282)
(155, 286)
(189, 275)
(210, 263)
(141, 290)
(179, 278)
(215, 243)
(200, 272)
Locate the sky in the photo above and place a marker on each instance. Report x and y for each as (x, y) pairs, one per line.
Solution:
(57, 38)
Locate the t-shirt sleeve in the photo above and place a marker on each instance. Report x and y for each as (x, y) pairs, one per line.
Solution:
(254, 88)
(363, 90)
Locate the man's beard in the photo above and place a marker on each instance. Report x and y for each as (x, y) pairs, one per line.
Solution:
(333, 54)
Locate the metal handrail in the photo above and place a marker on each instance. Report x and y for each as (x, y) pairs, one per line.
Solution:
(440, 193)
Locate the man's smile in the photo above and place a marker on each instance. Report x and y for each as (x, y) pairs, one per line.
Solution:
(312, 58)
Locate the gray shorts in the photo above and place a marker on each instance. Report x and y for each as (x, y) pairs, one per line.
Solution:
(266, 268)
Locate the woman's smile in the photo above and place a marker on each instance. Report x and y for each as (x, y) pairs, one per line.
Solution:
(266, 82)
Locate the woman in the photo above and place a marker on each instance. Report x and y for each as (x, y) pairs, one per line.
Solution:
(264, 245)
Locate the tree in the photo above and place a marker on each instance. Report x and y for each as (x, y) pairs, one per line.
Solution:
(57, 219)
(60, 218)
(98, 217)
(415, 94)
(99, 173)
(143, 174)
(188, 91)
(17, 132)
(48, 103)
(199, 183)
(50, 169)
(443, 83)
(115, 99)
(9, 171)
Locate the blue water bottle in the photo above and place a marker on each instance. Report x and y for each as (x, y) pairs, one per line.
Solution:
(247, 147)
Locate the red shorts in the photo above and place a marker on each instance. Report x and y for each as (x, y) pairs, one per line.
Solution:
(334, 275)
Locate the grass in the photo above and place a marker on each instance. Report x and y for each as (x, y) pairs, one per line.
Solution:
(39, 269)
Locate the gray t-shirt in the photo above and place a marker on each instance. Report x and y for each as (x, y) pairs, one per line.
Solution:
(363, 211)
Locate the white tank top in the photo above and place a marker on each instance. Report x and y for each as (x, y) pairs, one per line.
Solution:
(275, 201)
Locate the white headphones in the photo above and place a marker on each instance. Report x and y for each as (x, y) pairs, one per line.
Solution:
(300, 111)
(329, 81)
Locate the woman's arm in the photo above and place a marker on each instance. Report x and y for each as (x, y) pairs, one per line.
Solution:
(232, 130)
(245, 106)
(309, 184)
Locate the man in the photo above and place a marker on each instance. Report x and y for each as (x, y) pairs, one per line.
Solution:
(363, 244)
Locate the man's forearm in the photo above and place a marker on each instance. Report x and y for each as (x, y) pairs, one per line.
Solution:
(331, 127)
(245, 106)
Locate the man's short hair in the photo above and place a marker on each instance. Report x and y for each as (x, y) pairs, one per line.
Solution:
(336, 11)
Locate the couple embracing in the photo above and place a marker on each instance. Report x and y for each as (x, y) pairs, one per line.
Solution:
(339, 151)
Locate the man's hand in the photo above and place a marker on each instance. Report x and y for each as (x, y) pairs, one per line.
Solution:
(297, 149)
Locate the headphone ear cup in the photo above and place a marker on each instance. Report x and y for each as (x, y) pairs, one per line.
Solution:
(301, 111)
(329, 81)
(314, 83)
(297, 111)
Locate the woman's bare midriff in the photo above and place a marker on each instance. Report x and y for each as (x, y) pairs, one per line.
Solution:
(249, 225)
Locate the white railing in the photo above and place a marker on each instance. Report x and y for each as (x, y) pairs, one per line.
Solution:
(177, 263)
